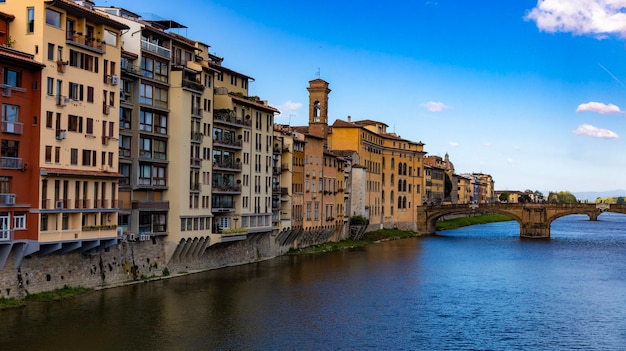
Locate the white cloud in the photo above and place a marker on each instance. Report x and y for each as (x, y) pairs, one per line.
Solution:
(595, 17)
(289, 108)
(595, 132)
(433, 106)
(453, 143)
(599, 107)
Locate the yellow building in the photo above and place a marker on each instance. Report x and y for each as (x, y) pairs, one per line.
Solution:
(394, 170)
(79, 119)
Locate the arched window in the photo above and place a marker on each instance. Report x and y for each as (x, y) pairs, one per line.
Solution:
(399, 201)
(404, 202)
(399, 184)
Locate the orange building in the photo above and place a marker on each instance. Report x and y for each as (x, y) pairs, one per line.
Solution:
(19, 145)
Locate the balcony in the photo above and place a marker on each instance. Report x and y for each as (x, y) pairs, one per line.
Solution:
(196, 162)
(227, 166)
(195, 187)
(152, 205)
(7, 199)
(226, 189)
(229, 143)
(12, 127)
(229, 118)
(154, 48)
(85, 42)
(276, 189)
(194, 86)
(197, 137)
(11, 163)
(131, 70)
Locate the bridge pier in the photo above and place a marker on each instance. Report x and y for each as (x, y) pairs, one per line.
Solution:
(535, 230)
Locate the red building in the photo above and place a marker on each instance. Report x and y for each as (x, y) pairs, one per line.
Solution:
(19, 143)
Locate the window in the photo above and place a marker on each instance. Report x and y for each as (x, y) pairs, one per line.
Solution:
(124, 145)
(160, 149)
(154, 69)
(19, 221)
(11, 77)
(75, 124)
(86, 157)
(50, 51)
(30, 20)
(89, 125)
(90, 93)
(53, 18)
(10, 113)
(50, 86)
(74, 156)
(145, 121)
(145, 147)
(125, 118)
(48, 154)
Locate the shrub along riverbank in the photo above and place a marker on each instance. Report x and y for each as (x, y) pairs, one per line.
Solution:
(390, 234)
(66, 292)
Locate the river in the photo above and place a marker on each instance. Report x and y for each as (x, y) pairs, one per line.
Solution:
(473, 288)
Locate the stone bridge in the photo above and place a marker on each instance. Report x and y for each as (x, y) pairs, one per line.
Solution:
(534, 218)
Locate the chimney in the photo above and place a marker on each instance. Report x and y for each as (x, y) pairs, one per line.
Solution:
(349, 119)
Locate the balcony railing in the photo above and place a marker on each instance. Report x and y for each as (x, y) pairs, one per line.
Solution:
(226, 188)
(195, 86)
(73, 37)
(131, 69)
(230, 118)
(227, 142)
(7, 199)
(197, 137)
(11, 163)
(159, 50)
(12, 127)
(227, 165)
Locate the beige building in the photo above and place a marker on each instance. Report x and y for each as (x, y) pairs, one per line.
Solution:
(243, 129)
(79, 119)
(394, 171)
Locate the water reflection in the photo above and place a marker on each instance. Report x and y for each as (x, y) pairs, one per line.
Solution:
(479, 287)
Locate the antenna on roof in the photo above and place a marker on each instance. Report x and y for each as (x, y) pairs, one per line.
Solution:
(318, 73)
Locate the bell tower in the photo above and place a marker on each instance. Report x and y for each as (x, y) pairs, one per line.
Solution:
(318, 107)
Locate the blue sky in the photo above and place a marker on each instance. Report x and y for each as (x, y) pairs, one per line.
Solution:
(530, 92)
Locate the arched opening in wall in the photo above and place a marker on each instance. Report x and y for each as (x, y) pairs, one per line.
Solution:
(477, 225)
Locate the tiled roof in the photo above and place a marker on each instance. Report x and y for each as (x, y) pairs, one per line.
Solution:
(67, 4)
(253, 103)
(21, 57)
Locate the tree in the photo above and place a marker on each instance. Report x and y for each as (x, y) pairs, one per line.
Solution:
(524, 199)
(504, 197)
(562, 197)
(620, 200)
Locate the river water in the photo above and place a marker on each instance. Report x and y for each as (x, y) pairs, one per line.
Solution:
(474, 288)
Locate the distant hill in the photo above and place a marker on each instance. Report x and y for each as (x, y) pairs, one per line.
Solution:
(593, 195)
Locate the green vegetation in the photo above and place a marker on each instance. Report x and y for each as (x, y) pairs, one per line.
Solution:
(370, 237)
(65, 292)
(562, 197)
(465, 221)
(234, 230)
(358, 220)
(10, 303)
